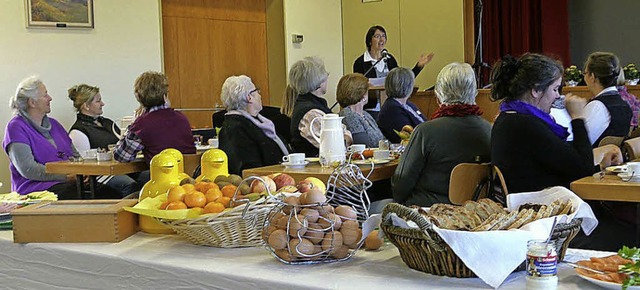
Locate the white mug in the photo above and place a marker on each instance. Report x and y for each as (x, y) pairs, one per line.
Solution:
(104, 156)
(633, 168)
(213, 142)
(294, 158)
(89, 154)
(356, 148)
(381, 154)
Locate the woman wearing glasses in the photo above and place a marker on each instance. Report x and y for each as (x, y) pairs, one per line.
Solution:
(32, 139)
(248, 138)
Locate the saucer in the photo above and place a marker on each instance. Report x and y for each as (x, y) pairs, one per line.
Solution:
(616, 169)
(289, 165)
(368, 161)
(625, 176)
(312, 159)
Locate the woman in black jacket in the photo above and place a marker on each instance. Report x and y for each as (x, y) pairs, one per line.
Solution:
(248, 138)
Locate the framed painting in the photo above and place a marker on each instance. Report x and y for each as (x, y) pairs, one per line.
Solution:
(59, 13)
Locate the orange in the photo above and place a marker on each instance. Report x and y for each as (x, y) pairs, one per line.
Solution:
(201, 186)
(195, 199)
(176, 193)
(213, 194)
(188, 187)
(176, 205)
(164, 205)
(213, 207)
(224, 200)
(229, 190)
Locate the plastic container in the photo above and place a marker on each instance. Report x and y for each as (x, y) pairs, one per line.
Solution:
(542, 261)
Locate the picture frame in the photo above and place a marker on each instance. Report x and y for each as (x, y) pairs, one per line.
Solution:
(59, 13)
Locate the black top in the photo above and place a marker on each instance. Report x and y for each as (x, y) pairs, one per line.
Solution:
(100, 136)
(532, 157)
(280, 121)
(620, 113)
(305, 103)
(393, 116)
(246, 145)
(360, 66)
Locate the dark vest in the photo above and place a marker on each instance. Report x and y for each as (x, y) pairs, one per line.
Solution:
(162, 129)
(305, 103)
(620, 115)
(99, 136)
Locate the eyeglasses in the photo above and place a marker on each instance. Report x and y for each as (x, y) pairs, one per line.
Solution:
(254, 90)
(378, 36)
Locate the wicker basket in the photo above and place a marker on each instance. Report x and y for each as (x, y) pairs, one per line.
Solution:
(240, 227)
(424, 250)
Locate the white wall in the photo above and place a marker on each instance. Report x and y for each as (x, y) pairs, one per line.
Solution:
(125, 42)
(320, 22)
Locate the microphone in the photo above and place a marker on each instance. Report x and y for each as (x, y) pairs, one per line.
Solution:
(385, 53)
(385, 56)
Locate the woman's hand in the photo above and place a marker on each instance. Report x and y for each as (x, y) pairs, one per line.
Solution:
(425, 59)
(607, 155)
(575, 106)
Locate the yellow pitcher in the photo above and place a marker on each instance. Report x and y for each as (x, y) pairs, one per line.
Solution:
(164, 175)
(180, 159)
(214, 162)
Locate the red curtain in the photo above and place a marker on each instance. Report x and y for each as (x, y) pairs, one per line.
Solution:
(518, 26)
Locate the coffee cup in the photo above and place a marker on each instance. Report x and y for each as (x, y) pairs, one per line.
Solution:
(213, 142)
(294, 158)
(89, 154)
(633, 168)
(356, 148)
(104, 156)
(381, 154)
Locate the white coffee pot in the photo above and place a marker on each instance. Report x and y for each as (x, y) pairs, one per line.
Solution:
(331, 139)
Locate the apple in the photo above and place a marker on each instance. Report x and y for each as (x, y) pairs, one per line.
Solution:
(283, 180)
(317, 183)
(273, 175)
(304, 186)
(258, 186)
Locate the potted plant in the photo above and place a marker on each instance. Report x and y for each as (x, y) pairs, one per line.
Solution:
(572, 76)
(631, 74)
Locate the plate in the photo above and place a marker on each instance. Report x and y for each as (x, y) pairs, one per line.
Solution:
(625, 176)
(289, 165)
(616, 169)
(607, 285)
(368, 161)
(312, 159)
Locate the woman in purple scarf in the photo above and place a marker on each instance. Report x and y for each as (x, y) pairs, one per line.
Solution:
(248, 138)
(32, 139)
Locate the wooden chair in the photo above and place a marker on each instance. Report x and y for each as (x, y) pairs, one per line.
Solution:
(632, 148)
(469, 179)
(191, 162)
(611, 140)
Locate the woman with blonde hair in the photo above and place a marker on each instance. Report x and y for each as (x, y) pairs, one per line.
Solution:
(352, 95)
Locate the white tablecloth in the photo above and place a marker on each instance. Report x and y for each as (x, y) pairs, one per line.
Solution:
(146, 261)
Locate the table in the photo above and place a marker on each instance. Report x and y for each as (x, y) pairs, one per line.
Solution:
(93, 168)
(380, 171)
(145, 261)
(609, 188)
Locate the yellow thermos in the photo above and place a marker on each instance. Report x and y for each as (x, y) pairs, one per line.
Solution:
(214, 162)
(164, 175)
(180, 159)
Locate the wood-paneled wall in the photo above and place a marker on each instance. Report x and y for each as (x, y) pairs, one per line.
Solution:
(428, 104)
(206, 41)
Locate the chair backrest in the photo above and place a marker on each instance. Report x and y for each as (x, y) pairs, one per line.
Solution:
(464, 181)
(191, 162)
(632, 147)
(634, 133)
(611, 140)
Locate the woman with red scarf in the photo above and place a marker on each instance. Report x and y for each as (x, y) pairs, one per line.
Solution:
(455, 134)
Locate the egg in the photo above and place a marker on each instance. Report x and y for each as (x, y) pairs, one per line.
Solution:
(346, 212)
(356, 244)
(341, 252)
(282, 222)
(315, 196)
(300, 247)
(302, 199)
(314, 233)
(297, 226)
(329, 221)
(372, 242)
(350, 233)
(267, 231)
(310, 214)
(284, 254)
(332, 241)
(278, 240)
(292, 204)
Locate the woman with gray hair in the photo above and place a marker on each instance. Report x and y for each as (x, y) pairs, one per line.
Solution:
(248, 138)
(456, 134)
(397, 111)
(308, 78)
(32, 139)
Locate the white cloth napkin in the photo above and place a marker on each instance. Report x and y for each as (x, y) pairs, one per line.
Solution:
(493, 255)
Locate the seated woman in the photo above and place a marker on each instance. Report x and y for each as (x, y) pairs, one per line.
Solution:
(455, 135)
(352, 95)
(248, 138)
(32, 139)
(157, 126)
(308, 78)
(632, 101)
(526, 143)
(606, 114)
(91, 130)
(397, 111)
